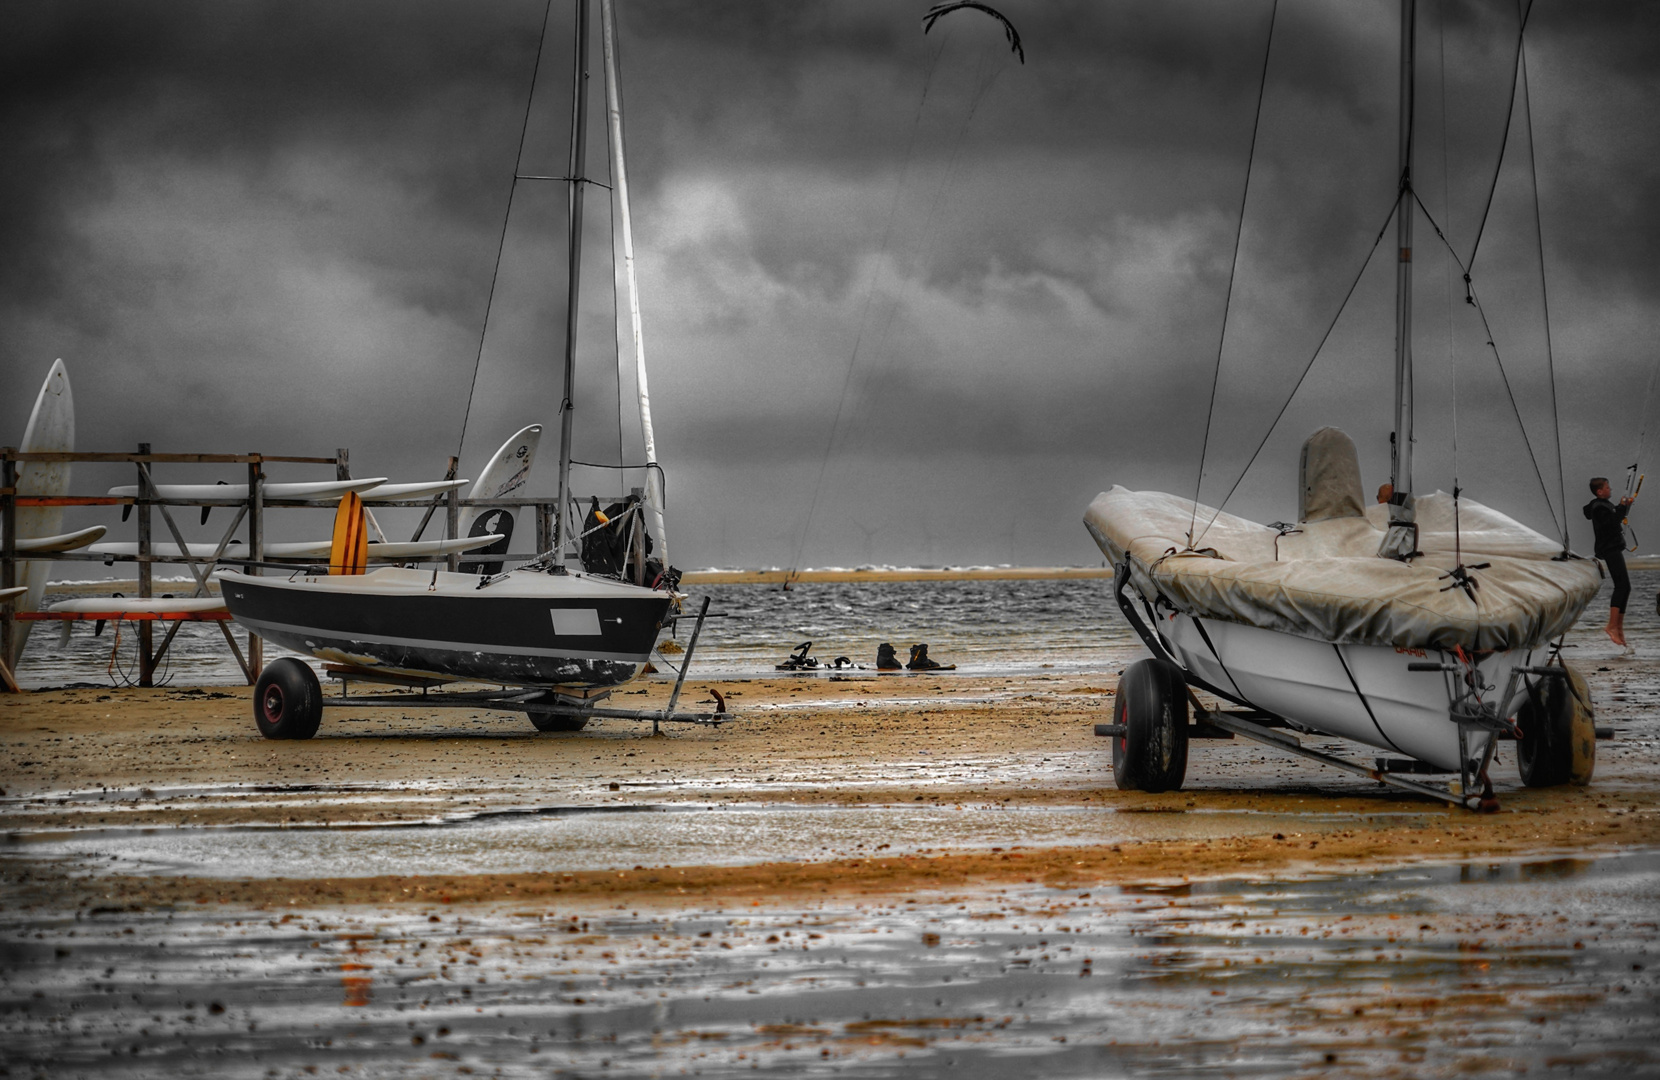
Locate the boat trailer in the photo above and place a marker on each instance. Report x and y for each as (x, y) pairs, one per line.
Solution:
(1474, 791)
(549, 708)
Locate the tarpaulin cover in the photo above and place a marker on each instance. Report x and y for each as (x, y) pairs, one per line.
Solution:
(1325, 581)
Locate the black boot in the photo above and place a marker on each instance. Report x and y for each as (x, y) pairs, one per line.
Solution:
(919, 659)
(886, 658)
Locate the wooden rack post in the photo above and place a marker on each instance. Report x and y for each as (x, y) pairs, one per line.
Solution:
(146, 659)
(256, 551)
(8, 558)
(452, 520)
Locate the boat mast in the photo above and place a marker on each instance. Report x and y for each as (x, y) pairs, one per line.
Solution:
(576, 180)
(619, 180)
(1400, 466)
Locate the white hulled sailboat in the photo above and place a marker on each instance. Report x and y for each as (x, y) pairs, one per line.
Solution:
(544, 625)
(1421, 627)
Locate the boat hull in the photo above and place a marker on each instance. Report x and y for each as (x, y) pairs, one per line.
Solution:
(574, 631)
(1361, 692)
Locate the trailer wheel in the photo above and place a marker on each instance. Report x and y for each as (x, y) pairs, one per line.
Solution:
(549, 722)
(1151, 754)
(1558, 725)
(288, 701)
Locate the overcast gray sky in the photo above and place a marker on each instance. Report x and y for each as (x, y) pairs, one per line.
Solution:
(931, 297)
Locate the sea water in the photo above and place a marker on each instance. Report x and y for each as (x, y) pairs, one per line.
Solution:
(1011, 627)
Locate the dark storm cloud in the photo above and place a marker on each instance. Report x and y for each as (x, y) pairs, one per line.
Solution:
(420, 96)
(910, 250)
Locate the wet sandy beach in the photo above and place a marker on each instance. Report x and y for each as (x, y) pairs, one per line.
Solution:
(918, 873)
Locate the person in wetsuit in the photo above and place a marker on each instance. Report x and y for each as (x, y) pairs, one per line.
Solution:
(1608, 524)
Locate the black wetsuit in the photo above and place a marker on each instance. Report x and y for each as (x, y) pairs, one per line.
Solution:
(1607, 522)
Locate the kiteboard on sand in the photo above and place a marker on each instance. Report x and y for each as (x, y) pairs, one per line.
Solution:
(51, 430)
(505, 474)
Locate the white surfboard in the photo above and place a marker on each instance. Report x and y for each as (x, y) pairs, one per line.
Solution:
(166, 548)
(299, 549)
(14, 591)
(51, 430)
(419, 549)
(100, 605)
(310, 489)
(419, 490)
(505, 474)
(68, 541)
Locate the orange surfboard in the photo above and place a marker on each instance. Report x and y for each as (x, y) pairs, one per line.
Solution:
(349, 553)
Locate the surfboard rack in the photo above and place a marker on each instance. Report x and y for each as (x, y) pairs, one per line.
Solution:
(249, 516)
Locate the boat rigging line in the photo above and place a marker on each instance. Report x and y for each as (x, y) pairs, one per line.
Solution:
(1544, 298)
(507, 215)
(1504, 143)
(1233, 270)
(1472, 299)
(1286, 404)
(1465, 265)
(864, 315)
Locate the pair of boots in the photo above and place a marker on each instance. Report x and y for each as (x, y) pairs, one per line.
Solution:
(888, 660)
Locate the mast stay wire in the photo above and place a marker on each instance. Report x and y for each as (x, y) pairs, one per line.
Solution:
(1452, 351)
(616, 308)
(507, 215)
(864, 315)
(1471, 298)
(1338, 314)
(1525, 9)
(1544, 297)
(1233, 271)
(1504, 143)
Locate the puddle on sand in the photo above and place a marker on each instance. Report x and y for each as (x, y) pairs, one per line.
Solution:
(1480, 970)
(528, 840)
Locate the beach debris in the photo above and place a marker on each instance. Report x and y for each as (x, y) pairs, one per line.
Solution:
(920, 661)
(799, 660)
(887, 659)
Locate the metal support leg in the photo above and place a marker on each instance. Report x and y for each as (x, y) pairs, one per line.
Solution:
(685, 663)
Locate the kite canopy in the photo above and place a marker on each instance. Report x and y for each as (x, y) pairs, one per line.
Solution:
(1323, 579)
(1009, 32)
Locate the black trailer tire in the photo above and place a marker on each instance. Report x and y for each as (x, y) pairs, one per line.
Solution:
(1151, 754)
(551, 722)
(1559, 733)
(288, 700)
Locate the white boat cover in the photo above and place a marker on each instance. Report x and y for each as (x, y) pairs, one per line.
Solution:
(1323, 579)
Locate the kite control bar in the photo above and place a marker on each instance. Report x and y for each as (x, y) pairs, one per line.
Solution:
(1625, 522)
